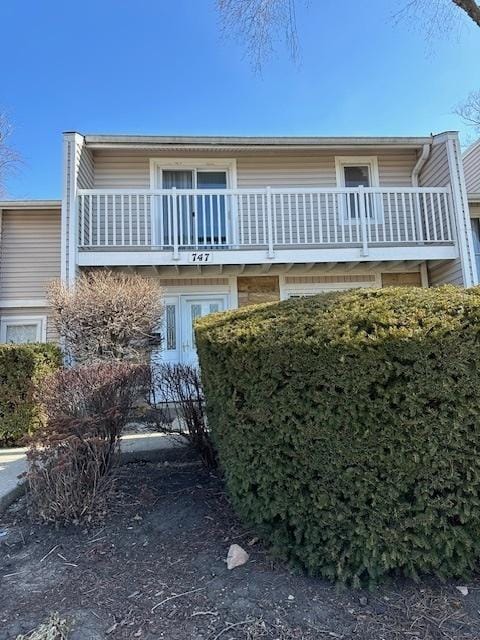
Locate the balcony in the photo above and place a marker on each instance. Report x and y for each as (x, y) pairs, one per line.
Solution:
(231, 226)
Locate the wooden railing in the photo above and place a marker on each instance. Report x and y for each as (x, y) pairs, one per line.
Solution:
(270, 218)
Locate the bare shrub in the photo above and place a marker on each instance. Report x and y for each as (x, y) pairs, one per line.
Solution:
(178, 404)
(107, 316)
(72, 457)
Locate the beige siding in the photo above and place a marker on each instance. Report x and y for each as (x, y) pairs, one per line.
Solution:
(474, 210)
(300, 169)
(52, 335)
(29, 253)
(448, 272)
(471, 166)
(85, 168)
(436, 171)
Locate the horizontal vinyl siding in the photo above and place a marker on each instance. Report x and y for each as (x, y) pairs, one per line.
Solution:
(52, 335)
(132, 171)
(85, 167)
(471, 166)
(436, 171)
(474, 210)
(449, 272)
(29, 253)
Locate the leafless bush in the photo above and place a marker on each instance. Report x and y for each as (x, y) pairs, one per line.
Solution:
(72, 457)
(107, 316)
(178, 407)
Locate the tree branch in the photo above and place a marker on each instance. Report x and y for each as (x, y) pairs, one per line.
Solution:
(9, 158)
(471, 8)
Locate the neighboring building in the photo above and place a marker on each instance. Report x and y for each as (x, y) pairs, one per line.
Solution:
(471, 163)
(30, 258)
(225, 221)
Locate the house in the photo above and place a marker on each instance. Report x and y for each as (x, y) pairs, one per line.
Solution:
(471, 164)
(222, 222)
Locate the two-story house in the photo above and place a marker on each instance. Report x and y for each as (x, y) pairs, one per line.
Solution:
(221, 222)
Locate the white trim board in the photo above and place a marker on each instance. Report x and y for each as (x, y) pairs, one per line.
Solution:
(28, 302)
(259, 256)
(227, 164)
(355, 161)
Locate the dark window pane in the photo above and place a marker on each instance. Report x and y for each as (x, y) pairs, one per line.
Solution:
(211, 180)
(178, 179)
(356, 176)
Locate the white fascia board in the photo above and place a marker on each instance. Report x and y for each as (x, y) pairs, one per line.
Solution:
(259, 256)
(40, 205)
(217, 143)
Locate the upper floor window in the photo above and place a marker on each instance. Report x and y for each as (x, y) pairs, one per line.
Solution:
(357, 171)
(202, 218)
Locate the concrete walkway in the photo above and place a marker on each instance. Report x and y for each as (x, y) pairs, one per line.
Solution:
(133, 447)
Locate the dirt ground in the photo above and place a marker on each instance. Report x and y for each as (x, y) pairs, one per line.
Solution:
(156, 569)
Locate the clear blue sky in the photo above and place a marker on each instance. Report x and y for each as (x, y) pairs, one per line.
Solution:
(160, 67)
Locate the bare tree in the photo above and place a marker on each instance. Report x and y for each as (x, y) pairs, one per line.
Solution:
(469, 110)
(261, 23)
(9, 158)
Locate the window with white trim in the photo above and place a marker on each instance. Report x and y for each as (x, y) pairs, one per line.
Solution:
(202, 218)
(23, 329)
(358, 171)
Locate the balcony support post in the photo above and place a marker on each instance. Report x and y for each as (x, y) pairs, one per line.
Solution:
(363, 220)
(175, 223)
(271, 253)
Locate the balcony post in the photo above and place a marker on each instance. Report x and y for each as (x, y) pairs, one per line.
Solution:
(363, 220)
(271, 253)
(175, 223)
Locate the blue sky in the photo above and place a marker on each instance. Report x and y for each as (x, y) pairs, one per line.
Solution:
(160, 67)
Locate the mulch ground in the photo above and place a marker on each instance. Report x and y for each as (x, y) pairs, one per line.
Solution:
(156, 569)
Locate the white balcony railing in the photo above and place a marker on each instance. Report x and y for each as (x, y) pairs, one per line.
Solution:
(185, 219)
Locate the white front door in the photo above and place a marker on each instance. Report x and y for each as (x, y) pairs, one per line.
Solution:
(193, 307)
(181, 311)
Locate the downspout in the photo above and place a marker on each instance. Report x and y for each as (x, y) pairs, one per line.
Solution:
(420, 164)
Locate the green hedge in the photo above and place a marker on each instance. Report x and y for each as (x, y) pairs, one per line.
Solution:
(21, 367)
(348, 427)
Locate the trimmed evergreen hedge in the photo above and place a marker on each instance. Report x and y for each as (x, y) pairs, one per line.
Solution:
(348, 427)
(22, 366)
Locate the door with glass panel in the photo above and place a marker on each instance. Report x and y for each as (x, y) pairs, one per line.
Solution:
(355, 176)
(178, 339)
(193, 308)
(201, 218)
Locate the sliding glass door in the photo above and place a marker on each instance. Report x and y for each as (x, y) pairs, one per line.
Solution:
(201, 219)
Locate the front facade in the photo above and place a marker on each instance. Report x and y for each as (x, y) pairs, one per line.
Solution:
(224, 222)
